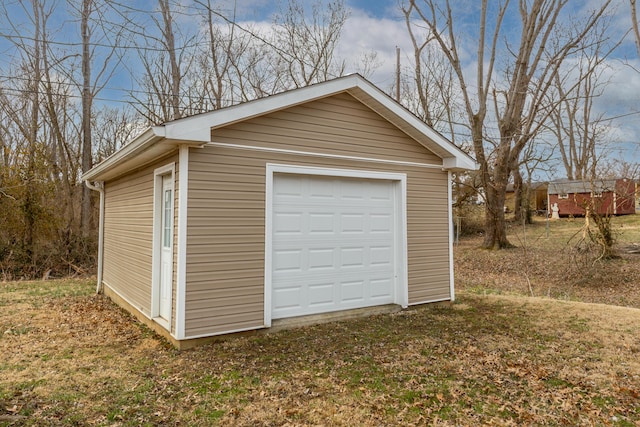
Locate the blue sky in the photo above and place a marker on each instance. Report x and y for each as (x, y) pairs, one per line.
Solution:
(376, 8)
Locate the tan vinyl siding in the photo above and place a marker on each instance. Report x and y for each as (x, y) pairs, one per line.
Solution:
(336, 125)
(226, 235)
(428, 236)
(128, 235)
(225, 251)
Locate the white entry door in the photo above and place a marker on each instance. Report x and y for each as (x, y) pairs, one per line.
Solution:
(333, 244)
(166, 249)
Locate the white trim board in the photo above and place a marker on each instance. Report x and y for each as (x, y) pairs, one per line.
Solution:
(181, 274)
(430, 301)
(323, 155)
(452, 291)
(158, 173)
(402, 283)
(196, 130)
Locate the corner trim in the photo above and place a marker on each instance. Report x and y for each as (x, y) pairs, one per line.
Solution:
(181, 275)
(452, 290)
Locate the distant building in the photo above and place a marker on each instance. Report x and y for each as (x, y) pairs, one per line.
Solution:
(607, 196)
(537, 197)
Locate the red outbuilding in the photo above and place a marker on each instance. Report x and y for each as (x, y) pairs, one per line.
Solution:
(605, 196)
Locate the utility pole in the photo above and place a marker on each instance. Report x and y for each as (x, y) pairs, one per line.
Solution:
(397, 74)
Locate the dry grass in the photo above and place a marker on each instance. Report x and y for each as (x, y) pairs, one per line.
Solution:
(546, 263)
(73, 358)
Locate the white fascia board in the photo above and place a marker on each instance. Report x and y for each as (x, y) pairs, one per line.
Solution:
(455, 164)
(140, 143)
(459, 160)
(198, 128)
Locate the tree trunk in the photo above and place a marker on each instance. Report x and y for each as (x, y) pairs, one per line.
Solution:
(494, 183)
(30, 204)
(495, 225)
(85, 212)
(518, 200)
(170, 45)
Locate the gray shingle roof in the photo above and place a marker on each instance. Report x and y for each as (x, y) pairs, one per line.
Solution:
(564, 186)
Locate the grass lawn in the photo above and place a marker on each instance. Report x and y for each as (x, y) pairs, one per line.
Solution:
(495, 357)
(72, 358)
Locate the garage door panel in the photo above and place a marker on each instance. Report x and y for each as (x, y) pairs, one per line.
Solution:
(287, 261)
(352, 223)
(352, 190)
(381, 223)
(352, 291)
(321, 294)
(288, 222)
(288, 297)
(352, 257)
(321, 259)
(381, 289)
(380, 256)
(383, 196)
(331, 295)
(333, 243)
(321, 189)
(322, 223)
(289, 189)
(292, 241)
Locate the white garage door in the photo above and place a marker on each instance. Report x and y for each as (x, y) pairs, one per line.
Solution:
(333, 244)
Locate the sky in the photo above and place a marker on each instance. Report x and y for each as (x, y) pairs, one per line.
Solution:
(378, 26)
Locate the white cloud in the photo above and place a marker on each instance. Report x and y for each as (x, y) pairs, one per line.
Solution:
(363, 34)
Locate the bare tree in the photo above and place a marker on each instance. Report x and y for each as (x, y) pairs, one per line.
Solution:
(580, 132)
(22, 105)
(305, 43)
(634, 24)
(528, 70)
(168, 38)
(87, 100)
(368, 63)
(98, 59)
(167, 56)
(430, 91)
(113, 128)
(43, 124)
(230, 60)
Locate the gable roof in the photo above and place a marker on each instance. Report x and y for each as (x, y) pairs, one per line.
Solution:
(196, 130)
(565, 186)
(533, 186)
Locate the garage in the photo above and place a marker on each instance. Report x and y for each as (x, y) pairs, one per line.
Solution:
(335, 242)
(301, 207)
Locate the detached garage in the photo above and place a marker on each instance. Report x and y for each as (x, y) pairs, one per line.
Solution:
(323, 199)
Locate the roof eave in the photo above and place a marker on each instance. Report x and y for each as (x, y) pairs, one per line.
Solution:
(139, 144)
(196, 130)
(453, 158)
(459, 164)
